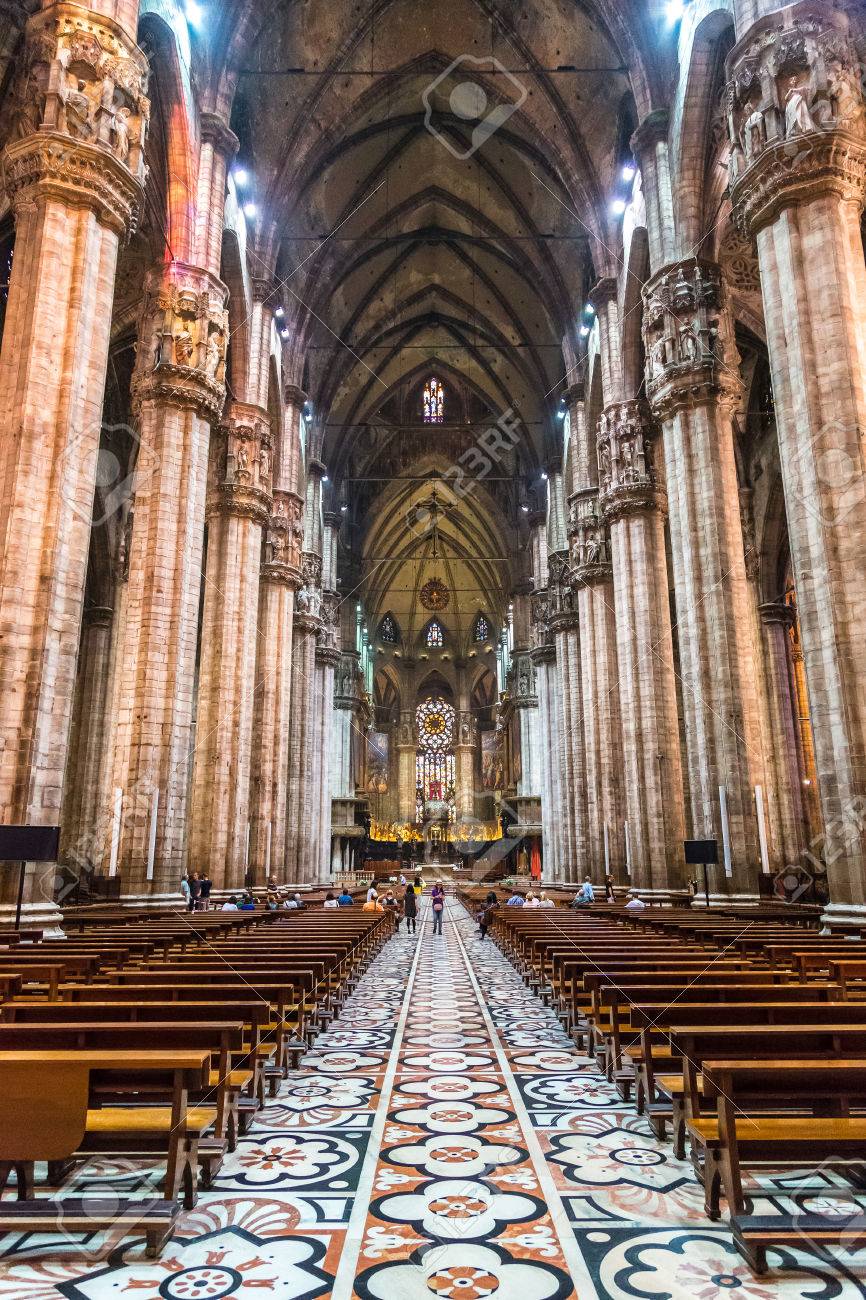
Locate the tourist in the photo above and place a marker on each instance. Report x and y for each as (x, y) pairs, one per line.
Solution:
(410, 909)
(372, 904)
(231, 905)
(391, 903)
(299, 902)
(544, 901)
(634, 900)
(330, 900)
(204, 895)
(438, 902)
(346, 899)
(272, 902)
(185, 890)
(609, 895)
(372, 893)
(485, 913)
(248, 903)
(531, 900)
(516, 900)
(588, 891)
(194, 891)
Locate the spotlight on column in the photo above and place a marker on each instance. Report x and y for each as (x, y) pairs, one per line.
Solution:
(284, 334)
(674, 11)
(628, 173)
(241, 177)
(250, 211)
(589, 311)
(525, 509)
(279, 313)
(618, 207)
(325, 478)
(560, 414)
(584, 330)
(544, 475)
(194, 14)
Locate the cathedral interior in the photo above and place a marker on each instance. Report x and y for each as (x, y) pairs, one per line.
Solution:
(433, 443)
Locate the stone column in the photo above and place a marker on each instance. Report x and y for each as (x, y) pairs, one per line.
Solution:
(178, 391)
(694, 387)
(73, 172)
(563, 622)
(465, 750)
(634, 505)
(82, 793)
(798, 171)
(776, 619)
(407, 748)
(592, 576)
(544, 659)
(327, 658)
(280, 579)
(300, 809)
(238, 507)
(649, 144)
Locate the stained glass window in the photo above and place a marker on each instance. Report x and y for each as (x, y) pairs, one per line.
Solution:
(388, 630)
(434, 763)
(435, 635)
(482, 628)
(433, 402)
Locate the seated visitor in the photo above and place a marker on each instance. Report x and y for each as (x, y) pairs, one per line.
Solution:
(634, 900)
(330, 900)
(516, 900)
(231, 905)
(346, 899)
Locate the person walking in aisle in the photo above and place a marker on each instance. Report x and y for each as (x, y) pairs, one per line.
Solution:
(410, 908)
(438, 897)
(485, 913)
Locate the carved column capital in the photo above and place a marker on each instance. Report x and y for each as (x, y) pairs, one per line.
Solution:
(691, 356)
(217, 132)
(98, 615)
(653, 130)
(776, 612)
(603, 292)
(295, 396)
(243, 464)
(626, 464)
(80, 114)
(562, 610)
(182, 336)
(795, 109)
(283, 540)
(588, 539)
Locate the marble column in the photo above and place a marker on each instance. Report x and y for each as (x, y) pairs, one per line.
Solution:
(81, 800)
(544, 659)
(798, 178)
(301, 804)
(178, 392)
(238, 508)
(563, 623)
(693, 385)
(75, 186)
(464, 764)
(592, 577)
(407, 748)
(776, 619)
(634, 506)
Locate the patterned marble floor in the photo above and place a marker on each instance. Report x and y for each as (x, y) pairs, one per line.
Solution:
(445, 1139)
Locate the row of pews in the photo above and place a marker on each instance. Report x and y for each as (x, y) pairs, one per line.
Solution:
(158, 1038)
(742, 1041)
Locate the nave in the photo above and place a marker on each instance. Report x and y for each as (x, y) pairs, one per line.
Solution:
(444, 1137)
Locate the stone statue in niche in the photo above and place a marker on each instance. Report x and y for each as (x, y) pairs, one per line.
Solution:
(604, 464)
(315, 605)
(302, 600)
(688, 345)
(278, 544)
(264, 465)
(753, 134)
(184, 346)
(30, 105)
(78, 112)
(214, 355)
(120, 133)
(798, 118)
(242, 462)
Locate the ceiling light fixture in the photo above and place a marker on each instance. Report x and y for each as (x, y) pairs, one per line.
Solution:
(250, 210)
(628, 172)
(618, 207)
(241, 176)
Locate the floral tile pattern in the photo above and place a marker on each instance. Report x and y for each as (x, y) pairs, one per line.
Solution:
(443, 1138)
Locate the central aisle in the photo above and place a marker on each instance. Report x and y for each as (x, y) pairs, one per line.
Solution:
(443, 1139)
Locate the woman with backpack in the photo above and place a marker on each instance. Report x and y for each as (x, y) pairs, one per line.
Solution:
(410, 908)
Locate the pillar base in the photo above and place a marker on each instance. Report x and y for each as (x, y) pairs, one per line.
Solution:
(45, 916)
(161, 902)
(844, 915)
